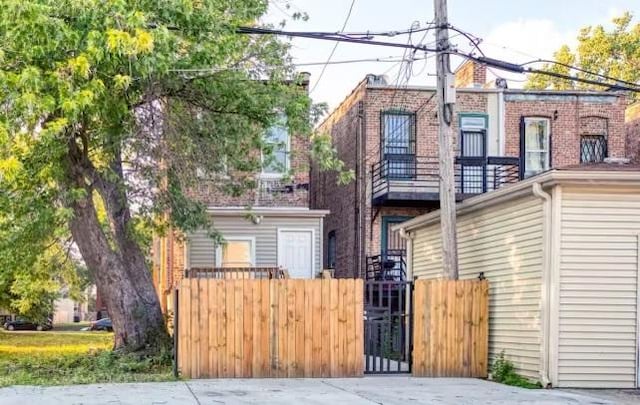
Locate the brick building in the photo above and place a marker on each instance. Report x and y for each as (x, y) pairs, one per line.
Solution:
(388, 136)
(269, 225)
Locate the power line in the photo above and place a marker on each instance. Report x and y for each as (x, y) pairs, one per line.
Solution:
(388, 59)
(475, 41)
(496, 63)
(578, 69)
(371, 34)
(324, 68)
(328, 36)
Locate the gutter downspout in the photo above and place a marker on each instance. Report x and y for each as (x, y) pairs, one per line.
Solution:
(545, 309)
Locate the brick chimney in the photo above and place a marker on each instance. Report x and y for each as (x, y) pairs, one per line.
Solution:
(471, 74)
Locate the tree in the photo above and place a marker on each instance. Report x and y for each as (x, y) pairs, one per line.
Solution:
(31, 290)
(614, 53)
(113, 106)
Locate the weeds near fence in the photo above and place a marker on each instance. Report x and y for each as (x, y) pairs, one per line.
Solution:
(56, 358)
(503, 371)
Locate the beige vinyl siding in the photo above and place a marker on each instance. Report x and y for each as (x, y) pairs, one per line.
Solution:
(505, 242)
(202, 250)
(427, 252)
(597, 288)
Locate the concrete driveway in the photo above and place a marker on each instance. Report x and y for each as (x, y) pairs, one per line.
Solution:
(356, 391)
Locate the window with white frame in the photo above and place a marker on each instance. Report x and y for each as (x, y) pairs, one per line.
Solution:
(537, 148)
(236, 252)
(276, 160)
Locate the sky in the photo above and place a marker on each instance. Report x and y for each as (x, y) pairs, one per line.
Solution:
(513, 30)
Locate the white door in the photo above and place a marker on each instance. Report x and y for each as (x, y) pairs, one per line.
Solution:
(295, 252)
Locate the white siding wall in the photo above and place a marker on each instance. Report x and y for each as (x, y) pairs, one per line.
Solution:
(202, 250)
(504, 242)
(598, 286)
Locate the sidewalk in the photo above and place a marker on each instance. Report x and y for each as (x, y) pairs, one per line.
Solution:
(356, 391)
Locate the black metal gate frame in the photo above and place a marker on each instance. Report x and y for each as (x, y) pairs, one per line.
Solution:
(385, 302)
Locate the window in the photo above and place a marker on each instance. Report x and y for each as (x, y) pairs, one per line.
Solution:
(276, 160)
(473, 144)
(398, 133)
(593, 148)
(236, 252)
(536, 153)
(331, 250)
(398, 144)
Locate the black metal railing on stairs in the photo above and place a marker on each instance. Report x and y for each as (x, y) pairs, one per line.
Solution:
(388, 266)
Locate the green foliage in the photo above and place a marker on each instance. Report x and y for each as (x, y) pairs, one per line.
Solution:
(614, 53)
(132, 98)
(503, 371)
(56, 358)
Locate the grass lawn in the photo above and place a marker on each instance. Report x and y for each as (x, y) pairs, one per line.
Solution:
(72, 357)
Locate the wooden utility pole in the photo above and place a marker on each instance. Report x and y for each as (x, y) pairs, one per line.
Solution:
(446, 100)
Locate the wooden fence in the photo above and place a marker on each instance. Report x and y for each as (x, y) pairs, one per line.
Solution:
(270, 328)
(450, 328)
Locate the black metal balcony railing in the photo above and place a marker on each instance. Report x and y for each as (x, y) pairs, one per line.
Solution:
(388, 266)
(408, 177)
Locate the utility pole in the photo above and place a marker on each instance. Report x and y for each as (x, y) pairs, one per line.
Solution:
(446, 100)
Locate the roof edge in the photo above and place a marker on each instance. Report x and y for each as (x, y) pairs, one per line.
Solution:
(268, 211)
(523, 188)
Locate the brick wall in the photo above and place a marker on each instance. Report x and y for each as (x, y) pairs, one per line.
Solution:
(422, 103)
(167, 265)
(471, 74)
(570, 117)
(343, 126)
(291, 192)
(576, 115)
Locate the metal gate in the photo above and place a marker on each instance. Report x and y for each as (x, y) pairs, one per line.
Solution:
(388, 321)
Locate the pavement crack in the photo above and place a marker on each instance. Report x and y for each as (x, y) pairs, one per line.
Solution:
(351, 392)
(192, 393)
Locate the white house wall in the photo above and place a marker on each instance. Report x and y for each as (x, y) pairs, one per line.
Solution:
(597, 328)
(504, 242)
(202, 250)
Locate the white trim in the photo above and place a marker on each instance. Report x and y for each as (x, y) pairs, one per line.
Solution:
(554, 285)
(546, 147)
(187, 253)
(501, 124)
(638, 315)
(321, 243)
(232, 238)
(266, 211)
(545, 311)
(314, 271)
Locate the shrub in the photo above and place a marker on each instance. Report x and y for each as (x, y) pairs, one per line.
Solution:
(503, 371)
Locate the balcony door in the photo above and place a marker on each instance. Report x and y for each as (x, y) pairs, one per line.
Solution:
(473, 154)
(393, 246)
(398, 144)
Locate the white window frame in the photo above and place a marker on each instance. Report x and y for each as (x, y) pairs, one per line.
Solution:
(313, 246)
(287, 165)
(547, 144)
(250, 239)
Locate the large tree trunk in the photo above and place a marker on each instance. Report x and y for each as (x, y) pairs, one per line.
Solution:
(115, 258)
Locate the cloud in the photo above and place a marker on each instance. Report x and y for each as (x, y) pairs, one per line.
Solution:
(523, 40)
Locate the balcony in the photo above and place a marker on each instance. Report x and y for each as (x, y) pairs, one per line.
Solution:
(408, 180)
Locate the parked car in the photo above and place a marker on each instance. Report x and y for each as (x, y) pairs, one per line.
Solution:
(102, 324)
(26, 324)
